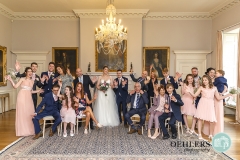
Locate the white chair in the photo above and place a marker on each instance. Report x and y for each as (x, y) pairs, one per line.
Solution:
(179, 126)
(48, 118)
(135, 118)
(60, 132)
(166, 124)
(83, 119)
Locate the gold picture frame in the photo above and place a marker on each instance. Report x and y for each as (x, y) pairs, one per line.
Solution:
(66, 56)
(3, 65)
(112, 60)
(159, 57)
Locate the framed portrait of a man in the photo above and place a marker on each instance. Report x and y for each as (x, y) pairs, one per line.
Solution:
(3, 65)
(112, 55)
(66, 57)
(155, 59)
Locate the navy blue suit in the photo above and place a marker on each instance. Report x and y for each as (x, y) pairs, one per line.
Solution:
(175, 115)
(175, 84)
(121, 93)
(141, 110)
(47, 86)
(52, 108)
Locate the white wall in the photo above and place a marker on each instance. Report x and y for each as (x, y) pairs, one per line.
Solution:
(42, 35)
(226, 19)
(178, 35)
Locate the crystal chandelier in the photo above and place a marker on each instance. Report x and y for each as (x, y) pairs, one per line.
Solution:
(110, 35)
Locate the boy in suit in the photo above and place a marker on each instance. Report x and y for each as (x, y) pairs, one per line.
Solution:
(168, 80)
(172, 109)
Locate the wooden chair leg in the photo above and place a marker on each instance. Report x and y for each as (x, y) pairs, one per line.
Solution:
(44, 123)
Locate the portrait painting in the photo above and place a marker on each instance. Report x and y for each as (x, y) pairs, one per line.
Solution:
(66, 57)
(155, 59)
(3, 65)
(112, 55)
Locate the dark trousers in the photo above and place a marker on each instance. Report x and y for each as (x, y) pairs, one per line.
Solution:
(135, 111)
(122, 107)
(34, 98)
(39, 116)
(172, 122)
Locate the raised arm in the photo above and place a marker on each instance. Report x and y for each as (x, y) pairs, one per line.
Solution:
(13, 84)
(133, 78)
(197, 93)
(58, 94)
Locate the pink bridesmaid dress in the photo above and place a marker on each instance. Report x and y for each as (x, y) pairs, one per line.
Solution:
(189, 107)
(24, 110)
(68, 114)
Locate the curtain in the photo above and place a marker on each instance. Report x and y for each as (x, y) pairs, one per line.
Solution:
(219, 55)
(238, 81)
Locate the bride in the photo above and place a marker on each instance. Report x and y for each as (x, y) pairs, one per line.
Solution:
(105, 108)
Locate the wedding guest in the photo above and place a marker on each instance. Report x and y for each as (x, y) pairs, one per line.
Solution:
(205, 110)
(138, 99)
(156, 110)
(197, 80)
(121, 92)
(67, 111)
(188, 109)
(172, 109)
(86, 81)
(50, 79)
(153, 81)
(81, 97)
(144, 80)
(65, 77)
(169, 80)
(37, 80)
(52, 108)
(24, 104)
(211, 73)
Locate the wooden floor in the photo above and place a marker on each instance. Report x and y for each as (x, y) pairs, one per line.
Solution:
(7, 132)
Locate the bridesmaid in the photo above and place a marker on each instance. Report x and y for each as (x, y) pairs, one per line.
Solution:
(151, 84)
(84, 107)
(205, 110)
(24, 104)
(188, 109)
(156, 110)
(67, 112)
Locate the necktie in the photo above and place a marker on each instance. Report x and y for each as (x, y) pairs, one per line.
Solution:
(140, 79)
(137, 102)
(169, 102)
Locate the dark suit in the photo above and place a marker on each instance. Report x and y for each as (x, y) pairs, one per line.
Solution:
(47, 85)
(175, 84)
(36, 83)
(141, 81)
(175, 115)
(121, 93)
(52, 108)
(141, 110)
(151, 90)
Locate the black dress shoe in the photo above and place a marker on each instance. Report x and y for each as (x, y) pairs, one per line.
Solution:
(132, 131)
(92, 128)
(140, 131)
(166, 136)
(174, 135)
(40, 134)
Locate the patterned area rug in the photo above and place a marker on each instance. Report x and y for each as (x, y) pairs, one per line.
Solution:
(110, 144)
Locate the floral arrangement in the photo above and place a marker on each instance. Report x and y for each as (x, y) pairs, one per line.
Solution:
(104, 87)
(234, 90)
(12, 73)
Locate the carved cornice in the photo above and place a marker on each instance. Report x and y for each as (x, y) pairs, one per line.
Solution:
(43, 16)
(127, 13)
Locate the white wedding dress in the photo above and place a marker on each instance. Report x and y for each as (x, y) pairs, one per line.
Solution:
(105, 108)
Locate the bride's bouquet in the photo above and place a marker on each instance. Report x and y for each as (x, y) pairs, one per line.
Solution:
(104, 87)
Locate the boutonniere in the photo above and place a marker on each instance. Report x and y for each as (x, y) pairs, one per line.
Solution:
(52, 75)
(37, 79)
(168, 80)
(59, 101)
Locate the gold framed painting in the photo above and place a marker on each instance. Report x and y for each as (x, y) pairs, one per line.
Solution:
(3, 65)
(66, 57)
(158, 58)
(112, 55)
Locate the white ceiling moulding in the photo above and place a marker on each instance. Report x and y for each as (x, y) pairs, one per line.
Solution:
(177, 16)
(99, 13)
(223, 7)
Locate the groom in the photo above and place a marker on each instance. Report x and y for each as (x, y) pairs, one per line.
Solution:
(52, 108)
(121, 92)
(138, 99)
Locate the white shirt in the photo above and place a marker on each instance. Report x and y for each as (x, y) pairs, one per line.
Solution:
(170, 95)
(119, 80)
(166, 79)
(80, 79)
(135, 100)
(55, 97)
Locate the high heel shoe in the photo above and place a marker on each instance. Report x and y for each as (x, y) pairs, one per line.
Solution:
(154, 137)
(71, 133)
(200, 137)
(149, 135)
(85, 131)
(210, 137)
(99, 125)
(192, 132)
